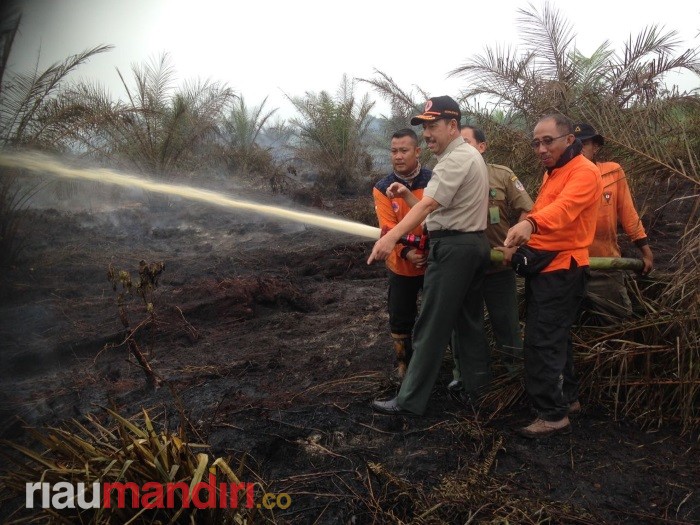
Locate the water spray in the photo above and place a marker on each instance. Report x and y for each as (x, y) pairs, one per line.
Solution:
(42, 163)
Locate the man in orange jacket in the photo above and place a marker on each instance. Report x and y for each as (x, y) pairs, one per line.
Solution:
(405, 265)
(607, 292)
(562, 222)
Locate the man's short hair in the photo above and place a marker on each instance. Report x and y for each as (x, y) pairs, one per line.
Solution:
(563, 123)
(479, 134)
(406, 132)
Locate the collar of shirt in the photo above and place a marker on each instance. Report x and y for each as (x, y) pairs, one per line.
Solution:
(408, 180)
(451, 146)
(568, 154)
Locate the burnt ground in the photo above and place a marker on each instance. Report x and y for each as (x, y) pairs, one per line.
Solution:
(274, 337)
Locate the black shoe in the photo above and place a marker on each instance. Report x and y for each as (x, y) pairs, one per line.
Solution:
(390, 407)
(462, 396)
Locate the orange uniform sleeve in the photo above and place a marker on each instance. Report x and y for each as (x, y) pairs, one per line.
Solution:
(627, 213)
(385, 215)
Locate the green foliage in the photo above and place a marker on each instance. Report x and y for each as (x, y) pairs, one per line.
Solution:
(241, 131)
(160, 129)
(28, 118)
(404, 105)
(332, 135)
(549, 74)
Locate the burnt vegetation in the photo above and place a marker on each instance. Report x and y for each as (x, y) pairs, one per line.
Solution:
(252, 348)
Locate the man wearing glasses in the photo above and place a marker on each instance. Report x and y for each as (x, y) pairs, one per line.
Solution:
(562, 220)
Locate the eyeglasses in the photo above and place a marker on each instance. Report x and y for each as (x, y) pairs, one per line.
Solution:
(547, 141)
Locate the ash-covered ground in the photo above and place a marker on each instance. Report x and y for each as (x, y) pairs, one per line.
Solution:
(274, 338)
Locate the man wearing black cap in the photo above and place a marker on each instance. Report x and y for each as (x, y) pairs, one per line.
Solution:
(607, 293)
(455, 207)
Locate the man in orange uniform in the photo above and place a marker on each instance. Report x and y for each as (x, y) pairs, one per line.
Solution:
(405, 265)
(562, 221)
(607, 292)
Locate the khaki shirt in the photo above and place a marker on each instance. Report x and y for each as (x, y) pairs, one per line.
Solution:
(507, 200)
(460, 185)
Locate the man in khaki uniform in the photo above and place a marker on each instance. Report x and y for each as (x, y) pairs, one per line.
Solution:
(454, 206)
(509, 203)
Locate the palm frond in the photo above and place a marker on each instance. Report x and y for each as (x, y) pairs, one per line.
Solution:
(549, 36)
(402, 103)
(24, 95)
(501, 73)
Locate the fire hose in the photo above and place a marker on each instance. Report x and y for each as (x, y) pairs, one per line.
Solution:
(422, 242)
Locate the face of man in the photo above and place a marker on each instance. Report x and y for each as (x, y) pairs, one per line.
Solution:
(439, 134)
(404, 155)
(549, 142)
(469, 138)
(590, 149)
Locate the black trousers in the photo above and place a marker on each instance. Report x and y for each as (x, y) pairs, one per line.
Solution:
(403, 302)
(553, 300)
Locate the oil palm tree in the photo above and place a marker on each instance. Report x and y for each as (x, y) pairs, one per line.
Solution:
(615, 91)
(160, 129)
(28, 119)
(331, 133)
(241, 130)
(549, 73)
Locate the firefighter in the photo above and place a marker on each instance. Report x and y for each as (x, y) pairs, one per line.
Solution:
(607, 294)
(405, 264)
(560, 229)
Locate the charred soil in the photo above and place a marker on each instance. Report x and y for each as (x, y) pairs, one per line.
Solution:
(273, 338)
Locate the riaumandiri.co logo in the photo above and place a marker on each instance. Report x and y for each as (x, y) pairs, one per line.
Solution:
(151, 495)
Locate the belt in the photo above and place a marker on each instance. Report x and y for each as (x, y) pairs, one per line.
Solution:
(436, 234)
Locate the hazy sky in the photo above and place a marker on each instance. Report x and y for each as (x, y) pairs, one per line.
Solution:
(272, 48)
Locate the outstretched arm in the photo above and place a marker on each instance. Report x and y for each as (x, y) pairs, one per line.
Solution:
(384, 246)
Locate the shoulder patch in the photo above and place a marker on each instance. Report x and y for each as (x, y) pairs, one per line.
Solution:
(518, 185)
